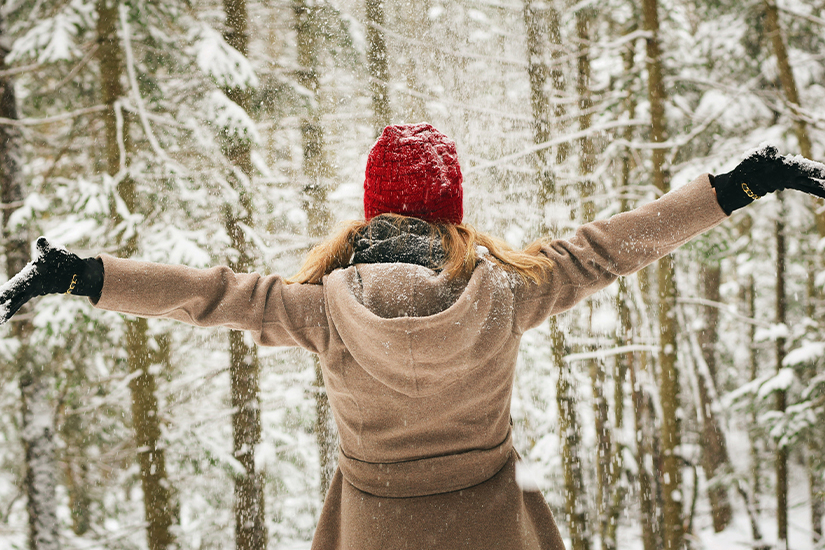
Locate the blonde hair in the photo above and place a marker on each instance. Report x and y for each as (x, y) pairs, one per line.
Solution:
(460, 243)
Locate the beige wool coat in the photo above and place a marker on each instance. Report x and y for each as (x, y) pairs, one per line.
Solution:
(419, 370)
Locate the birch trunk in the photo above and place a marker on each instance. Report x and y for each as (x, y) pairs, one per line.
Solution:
(158, 510)
(244, 367)
(315, 205)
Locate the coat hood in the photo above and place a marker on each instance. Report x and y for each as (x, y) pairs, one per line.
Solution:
(414, 330)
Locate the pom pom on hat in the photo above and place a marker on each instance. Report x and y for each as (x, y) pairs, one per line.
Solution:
(413, 170)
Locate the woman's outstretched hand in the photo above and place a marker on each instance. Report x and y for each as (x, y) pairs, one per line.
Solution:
(765, 171)
(53, 270)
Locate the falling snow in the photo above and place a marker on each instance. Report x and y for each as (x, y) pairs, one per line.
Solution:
(464, 67)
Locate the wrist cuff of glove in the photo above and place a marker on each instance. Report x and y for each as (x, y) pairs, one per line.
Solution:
(729, 194)
(89, 279)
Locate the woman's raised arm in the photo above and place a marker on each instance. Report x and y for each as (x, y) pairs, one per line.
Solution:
(277, 314)
(601, 251)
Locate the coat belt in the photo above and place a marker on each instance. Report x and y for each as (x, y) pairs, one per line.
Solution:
(426, 476)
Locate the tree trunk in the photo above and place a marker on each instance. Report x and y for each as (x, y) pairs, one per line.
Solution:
(570, 434)
(587, 162)
(715, 459)
(815, 440)
(624, 362)
(569, 425)
(250, 526)
(158, 510)
(558, 54)
(156, 497)
(645, 459)
(781, 456)
(644, 414)
(670, 388)
(37, 415)
(377, 65)
(541, 21)
(38, 440)
(76, 475)
(414, 15)
(816, 467)
(786, 78)
(751, 492)
(315, 205)
(537, 72)
(621, 368)
(587, 151)
(753, 363)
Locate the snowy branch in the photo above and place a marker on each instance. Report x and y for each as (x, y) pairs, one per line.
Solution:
(20, 70)
(603, 353)
(130, 68)
(445, 51)
(727, 308)
(561, 139)
(811, 18)
(76, 69)
(51, 119)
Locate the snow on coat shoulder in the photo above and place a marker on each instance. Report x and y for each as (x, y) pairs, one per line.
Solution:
(414, 330)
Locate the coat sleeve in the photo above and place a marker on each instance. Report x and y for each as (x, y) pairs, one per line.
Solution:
(601, 251)
(276, 313)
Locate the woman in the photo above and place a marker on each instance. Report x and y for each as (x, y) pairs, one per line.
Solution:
(417, 321)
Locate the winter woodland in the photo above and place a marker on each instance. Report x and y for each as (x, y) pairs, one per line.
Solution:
(681, 407)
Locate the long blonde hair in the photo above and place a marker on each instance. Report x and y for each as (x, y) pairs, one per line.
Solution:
(460, 243)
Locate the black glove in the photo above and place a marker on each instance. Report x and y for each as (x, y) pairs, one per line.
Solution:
(52, 271)
(766, 171)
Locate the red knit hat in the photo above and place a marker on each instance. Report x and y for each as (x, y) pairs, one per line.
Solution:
(413, 170)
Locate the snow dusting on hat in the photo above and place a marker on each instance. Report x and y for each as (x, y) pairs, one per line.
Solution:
(413, 170)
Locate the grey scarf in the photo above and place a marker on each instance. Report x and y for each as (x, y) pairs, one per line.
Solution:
(412, 242)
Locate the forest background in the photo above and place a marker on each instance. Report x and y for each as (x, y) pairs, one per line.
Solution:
(681, 407)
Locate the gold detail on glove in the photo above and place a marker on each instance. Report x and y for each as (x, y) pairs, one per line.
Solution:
(73, 284)
(749, 193)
